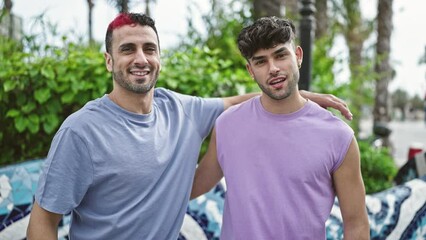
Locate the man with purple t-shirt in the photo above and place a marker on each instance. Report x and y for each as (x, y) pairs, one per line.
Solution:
(284, 158)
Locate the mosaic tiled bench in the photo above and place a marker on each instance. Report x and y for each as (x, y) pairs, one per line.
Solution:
(397, 213)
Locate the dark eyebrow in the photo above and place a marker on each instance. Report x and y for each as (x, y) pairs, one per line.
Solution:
(279, 50)
(125, 45)
(257, 58)
(149, 44)
(132, 45)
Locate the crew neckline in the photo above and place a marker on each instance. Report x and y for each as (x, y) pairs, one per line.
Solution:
(127, 114)
(283, 116)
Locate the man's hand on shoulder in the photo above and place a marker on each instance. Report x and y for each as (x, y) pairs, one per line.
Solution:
(328, 100)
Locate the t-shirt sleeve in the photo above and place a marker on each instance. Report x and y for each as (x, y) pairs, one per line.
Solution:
(203, 111)
(67, 173)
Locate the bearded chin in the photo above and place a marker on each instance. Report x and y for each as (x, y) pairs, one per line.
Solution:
(135, 88)
(292, 86)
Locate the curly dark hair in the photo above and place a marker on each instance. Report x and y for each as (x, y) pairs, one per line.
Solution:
(265, 33)
(128, 19)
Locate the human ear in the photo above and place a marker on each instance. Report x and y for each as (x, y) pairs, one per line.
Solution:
(108, 61)
(250, 71)
(299, 56)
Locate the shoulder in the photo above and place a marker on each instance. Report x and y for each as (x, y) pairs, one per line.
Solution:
(237, 111)
(87, 115)
(327, 119)
(163, 95)
(168, 97)
(163, 92)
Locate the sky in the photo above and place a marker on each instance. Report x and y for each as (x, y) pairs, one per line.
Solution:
(408, 43)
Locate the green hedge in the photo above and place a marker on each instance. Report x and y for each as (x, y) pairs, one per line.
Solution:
(38, 92)
(377, 166)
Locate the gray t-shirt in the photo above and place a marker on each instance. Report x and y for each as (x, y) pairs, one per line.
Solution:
(125, 175)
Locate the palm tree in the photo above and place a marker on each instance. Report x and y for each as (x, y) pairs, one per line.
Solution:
(382, 66)
(321, 18)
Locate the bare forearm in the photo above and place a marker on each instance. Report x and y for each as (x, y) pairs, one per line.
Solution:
(350, 191)
(328, 100)
(42, 233)
(207, 175)
(43, 225)
(357, 231)
(208, 172)
(202, 186)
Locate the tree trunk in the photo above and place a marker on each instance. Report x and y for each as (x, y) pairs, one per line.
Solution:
(8, 4)
(292, 10)
(321, 18)
(356, 83)
(264, 8)
(147, 10)
(382, 66)
(123, 6)
(90, 4)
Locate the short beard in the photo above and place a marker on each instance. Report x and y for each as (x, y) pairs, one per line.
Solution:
(135, 88)
(279, 96)
(292, 86)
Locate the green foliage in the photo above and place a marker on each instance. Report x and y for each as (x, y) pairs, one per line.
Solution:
(202, 72)
(417, 103)
(220, 29)
(323, 76)
(361, 92)
(39, 91)
(377, 166)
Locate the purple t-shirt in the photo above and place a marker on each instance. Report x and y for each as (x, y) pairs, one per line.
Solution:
(278, 170)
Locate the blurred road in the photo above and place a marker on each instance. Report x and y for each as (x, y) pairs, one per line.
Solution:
(404, 135)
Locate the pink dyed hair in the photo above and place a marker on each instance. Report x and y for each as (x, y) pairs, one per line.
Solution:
(123, 19)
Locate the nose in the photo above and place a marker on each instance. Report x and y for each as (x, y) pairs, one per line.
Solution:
(140, 58)
(273, 69)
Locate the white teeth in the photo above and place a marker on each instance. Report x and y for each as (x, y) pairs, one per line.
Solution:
(139, 73)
